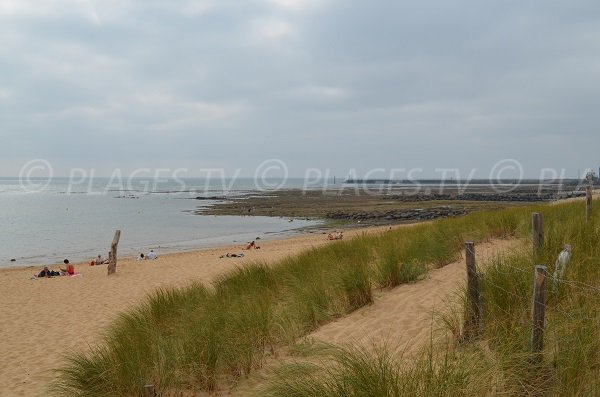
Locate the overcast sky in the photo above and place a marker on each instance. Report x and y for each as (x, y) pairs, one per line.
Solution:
(338, 84)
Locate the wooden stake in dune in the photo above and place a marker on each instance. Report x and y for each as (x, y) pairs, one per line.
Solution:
(149, 391)
(112, 255)
(537, 224)
(474, 309)
(538, 311)
(588, 204)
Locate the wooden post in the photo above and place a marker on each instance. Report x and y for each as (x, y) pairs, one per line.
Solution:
(588, 204)
(149, 391)
(538, 311)
(474, 309)
(537, 224)
(112, 255)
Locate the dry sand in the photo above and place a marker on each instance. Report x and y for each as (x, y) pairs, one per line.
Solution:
(42, 319)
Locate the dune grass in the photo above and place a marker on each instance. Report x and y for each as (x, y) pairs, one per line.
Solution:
(351, 371)
(500, 362)
(205, 338)
(571, 362)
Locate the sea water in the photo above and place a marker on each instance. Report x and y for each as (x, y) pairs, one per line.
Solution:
(61, 221)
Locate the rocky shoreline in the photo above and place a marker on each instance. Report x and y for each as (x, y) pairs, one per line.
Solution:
(418, 214)
(369, 208)
(489, 197)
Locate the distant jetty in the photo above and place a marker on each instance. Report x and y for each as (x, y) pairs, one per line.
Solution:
(463, 182)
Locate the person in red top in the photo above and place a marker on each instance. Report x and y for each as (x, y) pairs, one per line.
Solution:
(70, 270)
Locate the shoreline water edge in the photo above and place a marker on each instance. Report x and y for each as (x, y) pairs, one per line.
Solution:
(45, 228)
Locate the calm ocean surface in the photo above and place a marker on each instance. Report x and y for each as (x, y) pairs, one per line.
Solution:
(77, 222)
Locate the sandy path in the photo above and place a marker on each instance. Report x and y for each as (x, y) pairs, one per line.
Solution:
(36, 314)
(401, 317)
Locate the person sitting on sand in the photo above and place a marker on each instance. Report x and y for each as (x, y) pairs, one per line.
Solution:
(141, 257)
(251, 245)
(152, 255)
(98, 261)
(70, 269)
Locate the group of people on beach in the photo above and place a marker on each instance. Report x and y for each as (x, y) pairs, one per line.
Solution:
(150, 256)
(69, 270)
(335, 236)
(99, 261)
(249, 246)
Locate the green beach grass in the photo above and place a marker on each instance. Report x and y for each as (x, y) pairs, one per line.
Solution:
(499, 363)
(204, 338)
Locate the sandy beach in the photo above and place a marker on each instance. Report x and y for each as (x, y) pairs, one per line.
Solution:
(42, 319)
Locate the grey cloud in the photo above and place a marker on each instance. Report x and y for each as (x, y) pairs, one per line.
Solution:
(342, 84)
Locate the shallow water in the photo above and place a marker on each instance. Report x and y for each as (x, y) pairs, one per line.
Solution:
(78, 224)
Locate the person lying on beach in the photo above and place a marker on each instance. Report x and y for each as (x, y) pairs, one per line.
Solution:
(228, 255)
(152, 255)
(70, 269)
(47, 273)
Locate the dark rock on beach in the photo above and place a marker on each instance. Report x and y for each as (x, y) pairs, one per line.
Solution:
(489, 197)
(398, 215)
(211, 198)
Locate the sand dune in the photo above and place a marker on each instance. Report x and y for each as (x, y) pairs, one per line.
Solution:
(402, 317)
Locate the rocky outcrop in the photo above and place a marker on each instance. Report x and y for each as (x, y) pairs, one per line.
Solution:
(492, 197)
(398, 215)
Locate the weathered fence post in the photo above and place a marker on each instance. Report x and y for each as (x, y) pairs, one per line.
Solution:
(538, 311)
(149, 391)
(588, 204)
(537, 224)
(112, 255)
(474, 309)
